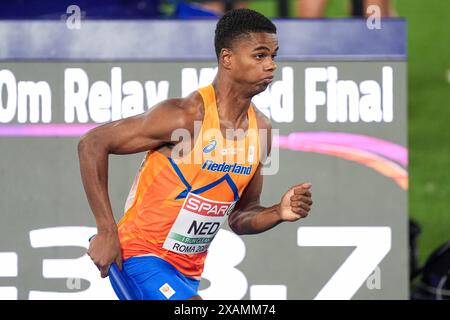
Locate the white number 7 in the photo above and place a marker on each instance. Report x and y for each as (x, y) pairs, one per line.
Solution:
(372, 245)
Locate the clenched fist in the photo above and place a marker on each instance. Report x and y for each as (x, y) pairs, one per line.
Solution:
(296, 202)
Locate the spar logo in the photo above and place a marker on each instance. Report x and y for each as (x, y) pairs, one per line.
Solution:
(197, 224)
(205, 207)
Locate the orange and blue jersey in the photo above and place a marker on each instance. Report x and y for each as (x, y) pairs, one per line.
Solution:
(177, 204)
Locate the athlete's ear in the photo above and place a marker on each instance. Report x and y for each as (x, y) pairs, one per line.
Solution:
(225, 58)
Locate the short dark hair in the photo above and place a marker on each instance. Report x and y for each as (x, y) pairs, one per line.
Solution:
(238, 22)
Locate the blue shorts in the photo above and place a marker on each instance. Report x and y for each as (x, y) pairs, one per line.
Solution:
(152, 278)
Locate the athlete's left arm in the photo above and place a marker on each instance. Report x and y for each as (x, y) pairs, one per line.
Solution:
(249, 217)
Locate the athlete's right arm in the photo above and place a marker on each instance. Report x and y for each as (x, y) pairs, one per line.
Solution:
(147, 131)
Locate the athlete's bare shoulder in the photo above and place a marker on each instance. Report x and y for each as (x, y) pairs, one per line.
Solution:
(149, 130)
(187, 110)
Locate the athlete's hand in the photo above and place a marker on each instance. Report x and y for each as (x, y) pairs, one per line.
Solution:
(104, 249)
(296, 202)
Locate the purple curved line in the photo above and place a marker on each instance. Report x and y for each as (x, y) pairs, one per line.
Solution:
(45, 130)
(381, 147)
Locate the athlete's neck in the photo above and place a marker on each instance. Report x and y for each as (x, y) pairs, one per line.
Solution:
(232, 102)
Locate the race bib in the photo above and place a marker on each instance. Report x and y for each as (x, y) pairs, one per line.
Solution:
(197, 224)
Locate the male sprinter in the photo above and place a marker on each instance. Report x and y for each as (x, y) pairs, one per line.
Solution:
(177, 203)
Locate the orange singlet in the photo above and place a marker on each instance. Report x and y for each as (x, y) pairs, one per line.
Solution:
(176, 205)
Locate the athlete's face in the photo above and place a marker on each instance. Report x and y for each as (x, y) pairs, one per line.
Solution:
(252, 60)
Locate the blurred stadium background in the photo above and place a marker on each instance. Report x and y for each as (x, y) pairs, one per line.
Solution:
(428, 113)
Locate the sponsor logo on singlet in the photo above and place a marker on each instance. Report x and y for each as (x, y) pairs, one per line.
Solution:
(224, 167)
(210, 146)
